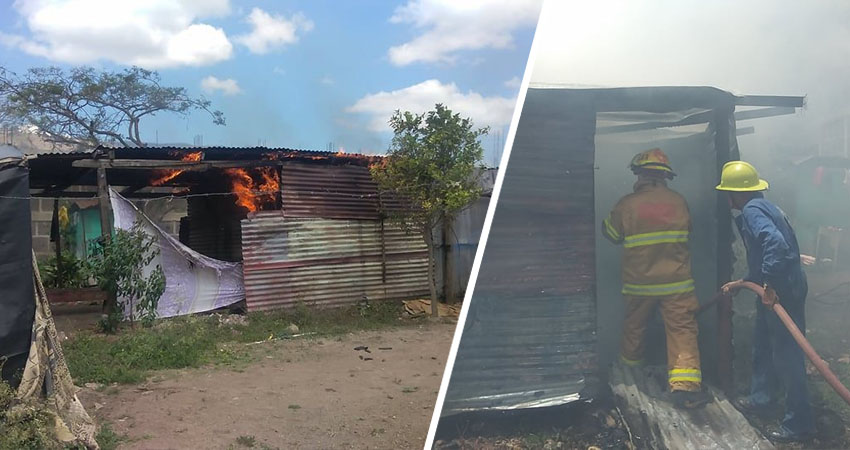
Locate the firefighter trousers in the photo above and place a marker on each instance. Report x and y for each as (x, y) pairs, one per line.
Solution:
(679, 314)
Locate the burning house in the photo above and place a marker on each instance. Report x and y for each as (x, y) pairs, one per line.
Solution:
(307, 226)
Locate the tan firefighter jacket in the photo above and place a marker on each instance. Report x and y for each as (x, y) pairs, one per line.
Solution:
(653, 224)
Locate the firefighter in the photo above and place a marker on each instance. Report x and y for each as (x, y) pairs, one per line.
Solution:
(653, 225)
(773, 260)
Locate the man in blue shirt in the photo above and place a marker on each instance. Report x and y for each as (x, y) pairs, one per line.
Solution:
(773, 259)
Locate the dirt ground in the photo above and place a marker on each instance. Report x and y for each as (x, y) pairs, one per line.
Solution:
(306, 393)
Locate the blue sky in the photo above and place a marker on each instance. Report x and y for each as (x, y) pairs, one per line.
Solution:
(292, 74)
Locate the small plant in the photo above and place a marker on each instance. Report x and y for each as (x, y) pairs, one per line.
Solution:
(64, 272)
(294, 407)
(246, 441)
(107, 438)
(118, 265)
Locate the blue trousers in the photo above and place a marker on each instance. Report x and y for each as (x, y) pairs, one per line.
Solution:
(778, 358)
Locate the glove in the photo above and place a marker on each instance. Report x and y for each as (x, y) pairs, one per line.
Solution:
(770, 298)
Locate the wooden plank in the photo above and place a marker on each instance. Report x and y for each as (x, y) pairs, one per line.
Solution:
(763, 112)
(745, 131)
(787, 101)
(76, 295)
(147, 164)
(642, 395)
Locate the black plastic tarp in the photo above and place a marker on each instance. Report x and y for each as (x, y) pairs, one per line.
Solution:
(17, 307)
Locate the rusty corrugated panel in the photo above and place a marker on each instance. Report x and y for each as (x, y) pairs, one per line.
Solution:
(529, 337)
(331, 192)
(328, 263)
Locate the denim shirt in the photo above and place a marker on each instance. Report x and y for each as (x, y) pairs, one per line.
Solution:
(773, 255)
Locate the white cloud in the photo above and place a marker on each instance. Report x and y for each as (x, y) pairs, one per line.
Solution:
(279, 70)
(419, 98)
(148, 33)
(272, 31)
(327, 80)
(450, 26)
(514, 83)
(227, 86)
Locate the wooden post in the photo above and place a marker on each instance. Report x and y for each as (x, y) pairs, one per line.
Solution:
(432, 288)
(724, 152)
(58, 241)
(448, 261)
(105, 226)
(103, 197)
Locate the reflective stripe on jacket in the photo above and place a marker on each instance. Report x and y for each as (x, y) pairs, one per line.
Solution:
(653, 225)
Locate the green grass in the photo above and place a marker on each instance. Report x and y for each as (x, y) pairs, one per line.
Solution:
(195, 341)
(246, 441)
(24, 425)
(107, 438)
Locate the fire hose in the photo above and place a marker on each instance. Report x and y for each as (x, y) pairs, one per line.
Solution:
(798, 336)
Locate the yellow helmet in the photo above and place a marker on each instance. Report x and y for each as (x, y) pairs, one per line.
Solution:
(653, 159)
(740, 176)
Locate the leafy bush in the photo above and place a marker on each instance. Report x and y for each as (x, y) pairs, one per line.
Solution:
(65, 272)
(118, 265)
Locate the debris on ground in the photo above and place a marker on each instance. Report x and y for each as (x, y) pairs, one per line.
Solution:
(574, 426)
(422, 308)
(232, 319)
(292, 329)
(718, 425)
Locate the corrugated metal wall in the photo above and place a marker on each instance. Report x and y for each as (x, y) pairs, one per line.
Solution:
(529, 338)
(331, 192)
(326, 262)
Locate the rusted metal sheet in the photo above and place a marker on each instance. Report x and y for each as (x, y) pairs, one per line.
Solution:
(328, 263)
(530, 334)
(330, 192)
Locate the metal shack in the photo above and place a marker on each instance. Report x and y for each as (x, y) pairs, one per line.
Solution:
(546, 312)
(306, 225)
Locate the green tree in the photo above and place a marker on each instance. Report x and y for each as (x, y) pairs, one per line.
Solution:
(433, 165)
(84, 107)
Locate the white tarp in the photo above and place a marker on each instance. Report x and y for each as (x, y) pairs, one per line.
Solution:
(193, 282)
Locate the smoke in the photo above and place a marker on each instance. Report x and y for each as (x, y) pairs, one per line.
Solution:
(757, 47)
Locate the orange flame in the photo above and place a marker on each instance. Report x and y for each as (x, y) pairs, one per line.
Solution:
(164, 176)
(251, 195)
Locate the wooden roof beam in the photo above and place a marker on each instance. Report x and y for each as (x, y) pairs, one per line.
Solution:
(152, 164)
